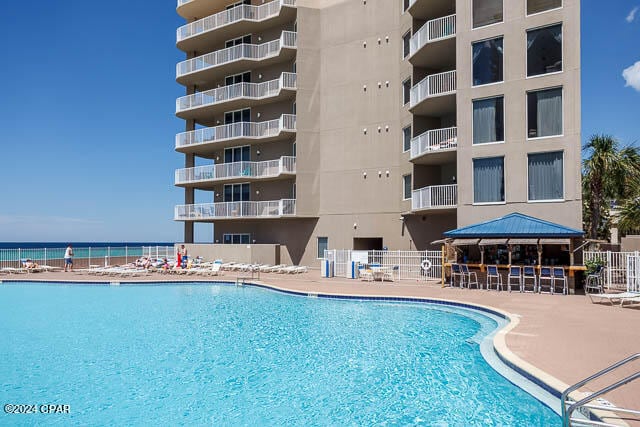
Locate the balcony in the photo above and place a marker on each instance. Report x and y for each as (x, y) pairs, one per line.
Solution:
(430, 9)
(202, 106)
(234, 22)
(435, 197)
(434, 95)
(206, 141)
(235, 210)
(204, 69)
(194, 9)
(204, 176)
(435, 146)
(434, 45)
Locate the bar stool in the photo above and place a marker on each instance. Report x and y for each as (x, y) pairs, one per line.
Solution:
(529, 272)
(515, 272)
(492, 273)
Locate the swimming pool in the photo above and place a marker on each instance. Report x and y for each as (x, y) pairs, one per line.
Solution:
(226, 355)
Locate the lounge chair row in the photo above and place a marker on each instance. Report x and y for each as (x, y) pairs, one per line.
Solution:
(265, 268)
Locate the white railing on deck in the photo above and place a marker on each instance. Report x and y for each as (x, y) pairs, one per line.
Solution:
(287, 122)
(434, 140)
(269, 168)
(181, 2)
(431, 31)
(620, 268)
(435, 197)
(237, 91)
(259, 209)
(433, 85)
(288, 39)
(230, 16)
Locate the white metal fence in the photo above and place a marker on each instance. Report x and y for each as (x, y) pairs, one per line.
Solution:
(435, 197)
(405, 265)
(434, 140)
(269, 168)
(431, 31)
(433, 85)
(254, 209)
(288, 39)
(621, 268)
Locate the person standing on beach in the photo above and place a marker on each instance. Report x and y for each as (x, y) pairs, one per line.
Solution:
(185, 256)
(179, 258)
(68, 258)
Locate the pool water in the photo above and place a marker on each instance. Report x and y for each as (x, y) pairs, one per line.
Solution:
(226, 355)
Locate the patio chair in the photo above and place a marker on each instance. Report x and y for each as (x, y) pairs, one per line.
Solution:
(595, 281)
(515, 272)
(559, 276)
(365, 274)
(529, 272)
(493, 273)
(612, 297)
(456, 271)
(545, 274)
(469, 276)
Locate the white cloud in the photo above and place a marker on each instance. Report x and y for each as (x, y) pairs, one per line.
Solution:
(632, 76)
(632, 15)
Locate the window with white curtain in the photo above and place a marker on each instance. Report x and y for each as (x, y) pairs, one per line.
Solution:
(488, 180)
(546, 180)
(544, 113)
(487, 61)
(544, 50)
(488, 120)
(537, 6)
(486, 12)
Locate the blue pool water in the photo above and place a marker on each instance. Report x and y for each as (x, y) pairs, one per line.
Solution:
(222, 355)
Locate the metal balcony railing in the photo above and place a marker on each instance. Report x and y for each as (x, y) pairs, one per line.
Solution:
(223, 210)
(433, 85)
(434, 140)
(266, 169)
(432, 31)
(435, 197)
(287, 122)
(226, 17)
(237, 91)
(288, 39)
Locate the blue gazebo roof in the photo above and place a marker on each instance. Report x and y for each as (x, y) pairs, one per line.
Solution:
(514, 225)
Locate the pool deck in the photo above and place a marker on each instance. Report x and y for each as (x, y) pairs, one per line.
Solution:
(559, 339)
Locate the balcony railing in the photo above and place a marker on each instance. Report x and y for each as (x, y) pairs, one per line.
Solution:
(435, 197)
(223, 210)
(288, 39)
(434, 140)
(181, 2)
(237, 91)
(266, 169)
(230, 16)
(431, 31)
(287, 122)
(433, 85)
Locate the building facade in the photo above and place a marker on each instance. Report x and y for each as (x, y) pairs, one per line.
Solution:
(364, 124)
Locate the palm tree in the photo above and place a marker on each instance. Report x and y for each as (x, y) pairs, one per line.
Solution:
(608, 174)
(630, 215)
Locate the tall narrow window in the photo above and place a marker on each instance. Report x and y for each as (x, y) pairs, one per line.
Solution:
(323, 245)
(544, 113)
(237, 154)
(488, 120)
(488, 180)
(405, 5)
(406, 139)
(487, 61)
(486, 12)
(544, 50)
(537, 6)
(406, 91)
(546, 176)
(406, 187)
(406, 44)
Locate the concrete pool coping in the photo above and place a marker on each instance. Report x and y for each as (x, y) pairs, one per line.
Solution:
(555, 340)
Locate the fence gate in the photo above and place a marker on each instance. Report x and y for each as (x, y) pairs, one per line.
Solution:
(633, 273)
(617, 267)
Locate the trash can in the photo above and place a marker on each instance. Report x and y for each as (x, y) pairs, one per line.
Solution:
(327, 268)
(353, 270)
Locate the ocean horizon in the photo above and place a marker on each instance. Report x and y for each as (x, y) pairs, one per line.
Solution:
(56, 245)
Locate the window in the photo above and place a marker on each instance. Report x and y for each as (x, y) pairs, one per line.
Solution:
(237, 154)
(236, 239)
(237, 192)
(546, 176)
(237, 116)
(240, 40)
(323, 245)
(231, 6)
(488, 180)
(487, 61)
(406, 91)
(536, 6)
(544, 50)
(238, 78)
(486, 12)
(406, 139)
(488, 120)
(544, 113)
(406, 44)
(406, 187)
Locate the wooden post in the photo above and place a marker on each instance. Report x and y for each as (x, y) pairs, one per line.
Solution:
(571, 257)
(510, 247)
(481, 257)
(539, 255)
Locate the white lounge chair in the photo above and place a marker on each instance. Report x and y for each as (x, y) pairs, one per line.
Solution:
(614, 297)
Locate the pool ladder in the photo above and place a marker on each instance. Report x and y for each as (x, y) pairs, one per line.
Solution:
(585, 404)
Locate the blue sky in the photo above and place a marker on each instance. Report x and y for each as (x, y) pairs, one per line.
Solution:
(87, 113)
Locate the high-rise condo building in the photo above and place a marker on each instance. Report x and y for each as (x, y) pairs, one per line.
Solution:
(364, 124)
